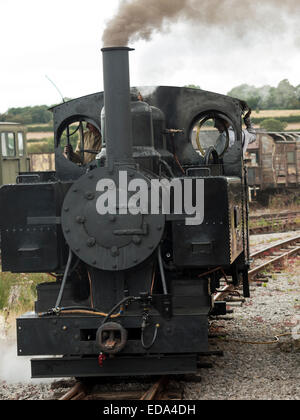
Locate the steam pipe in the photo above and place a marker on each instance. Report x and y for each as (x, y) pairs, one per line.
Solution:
(118, 127)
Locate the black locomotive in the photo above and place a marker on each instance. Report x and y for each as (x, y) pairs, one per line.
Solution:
(133, 290)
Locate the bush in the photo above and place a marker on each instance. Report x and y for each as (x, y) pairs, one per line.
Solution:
(272, 124)
(40, 128)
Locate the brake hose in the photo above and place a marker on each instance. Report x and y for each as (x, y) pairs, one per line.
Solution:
(153, 339)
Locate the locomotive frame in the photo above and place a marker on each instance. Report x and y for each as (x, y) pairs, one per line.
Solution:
(137, 298)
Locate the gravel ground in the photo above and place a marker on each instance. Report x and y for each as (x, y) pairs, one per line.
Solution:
(252, 371)
(247, 371)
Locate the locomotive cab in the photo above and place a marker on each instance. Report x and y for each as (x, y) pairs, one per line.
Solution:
(138, 239)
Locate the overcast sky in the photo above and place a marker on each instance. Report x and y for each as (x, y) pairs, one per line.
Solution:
(62, 39)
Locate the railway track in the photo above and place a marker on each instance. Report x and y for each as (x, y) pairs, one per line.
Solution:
(273, 215)
(274, 222)
(274, 254)
(157, 391)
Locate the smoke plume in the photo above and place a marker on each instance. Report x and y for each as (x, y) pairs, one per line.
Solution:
(139, 19)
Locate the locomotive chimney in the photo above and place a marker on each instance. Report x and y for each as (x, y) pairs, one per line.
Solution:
(118, 130)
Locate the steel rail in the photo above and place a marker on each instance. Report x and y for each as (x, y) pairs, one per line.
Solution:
(277, 226)
(276, 215)
(77, 392)
(229, 287)
(262, 266)
(222, 292)
(156, 389)
(275, 246)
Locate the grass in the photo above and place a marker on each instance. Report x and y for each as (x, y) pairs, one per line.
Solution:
(38, 136)
(285, 201)
(40, 143)
(42, 146)
(290, 116)
(268, 241)
(275, 224)
(17, 296)
(42, 140)
(34, 126)
(277, 113)
(18, 291)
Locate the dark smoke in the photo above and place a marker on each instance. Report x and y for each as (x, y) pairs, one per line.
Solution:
(139, 19)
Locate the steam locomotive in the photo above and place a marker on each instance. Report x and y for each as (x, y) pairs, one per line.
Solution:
(135, 274)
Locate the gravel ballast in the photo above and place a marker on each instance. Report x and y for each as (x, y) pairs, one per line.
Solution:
(258, 371)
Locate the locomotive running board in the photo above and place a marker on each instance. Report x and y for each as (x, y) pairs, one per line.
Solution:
(118, 366)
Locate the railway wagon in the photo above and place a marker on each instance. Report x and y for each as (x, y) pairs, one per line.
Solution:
(273, 161)
(13, 152)
(138, 239)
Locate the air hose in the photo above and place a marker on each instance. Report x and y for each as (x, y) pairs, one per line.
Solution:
(133, 298)
(144, 326)
(87, 310)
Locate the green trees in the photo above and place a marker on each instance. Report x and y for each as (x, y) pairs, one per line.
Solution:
(193, 86)
(284, 96)
(28, 115)
(247, 93)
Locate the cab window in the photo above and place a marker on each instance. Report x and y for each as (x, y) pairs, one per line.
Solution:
(21, 144)
(8, 144)
(211, 130)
